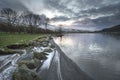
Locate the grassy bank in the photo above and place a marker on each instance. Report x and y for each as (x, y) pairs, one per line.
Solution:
(13, 38)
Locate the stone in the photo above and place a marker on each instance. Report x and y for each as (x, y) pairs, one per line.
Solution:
(40, 56)
(23, 73)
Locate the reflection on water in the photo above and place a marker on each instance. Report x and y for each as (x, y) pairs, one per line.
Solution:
(96, 54)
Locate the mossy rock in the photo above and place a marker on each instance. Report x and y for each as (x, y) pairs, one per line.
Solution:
(23, 73)
(37, 62)
(18, 46)
(52, 46)
(50, 37)
(41, 39)
(9, 51)
(40, 56)
(48, 50)
(45, 43)
(31, 43)
(30, 64)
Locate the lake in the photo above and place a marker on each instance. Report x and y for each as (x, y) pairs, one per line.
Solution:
(98, 55)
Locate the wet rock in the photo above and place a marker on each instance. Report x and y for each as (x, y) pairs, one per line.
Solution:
(41, 39)
(9, 51)
(52, 46)
(50, 37)
(40, 56)
(30, 64)
(37, 62)
(23, 73)
(18, 46)
(45, 44)
(48, 50)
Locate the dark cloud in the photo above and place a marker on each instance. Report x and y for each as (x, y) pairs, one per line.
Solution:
(56, 5)
(110, 9)
(99, 23)
(14, 4)
(100, 12)
(74, 8)
(60, 18)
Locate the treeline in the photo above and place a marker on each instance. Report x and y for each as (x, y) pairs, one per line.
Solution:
(27, 22)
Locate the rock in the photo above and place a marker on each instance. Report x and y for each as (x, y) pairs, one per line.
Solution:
(18, 46)
(23, 73)
(9, 51)
(37, 62)
(41, 39)
(30, 64)
(50, 37)
(45, 44)
(52, 46)
(40, 56)
(47, 50)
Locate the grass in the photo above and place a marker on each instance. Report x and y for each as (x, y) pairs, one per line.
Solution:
(14, 38)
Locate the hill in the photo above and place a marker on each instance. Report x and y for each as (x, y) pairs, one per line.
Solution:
(112, 29)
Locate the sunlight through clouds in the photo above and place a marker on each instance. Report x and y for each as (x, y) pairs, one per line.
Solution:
(99, 12)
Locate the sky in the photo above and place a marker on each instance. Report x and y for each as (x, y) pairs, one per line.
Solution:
(79, 14)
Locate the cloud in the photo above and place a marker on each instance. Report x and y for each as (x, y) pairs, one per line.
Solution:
(63, 10)
(106, 10)
(67, 8)
(60, 18)
(14, 4)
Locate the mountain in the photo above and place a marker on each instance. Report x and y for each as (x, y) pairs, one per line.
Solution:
(112, 29)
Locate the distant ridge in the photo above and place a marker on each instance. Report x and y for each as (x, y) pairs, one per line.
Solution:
(112, 29)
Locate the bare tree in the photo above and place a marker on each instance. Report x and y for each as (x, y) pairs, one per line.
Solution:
(9, 14)
(46, 22)
(36, 20)
(32, 20)
(60, 29)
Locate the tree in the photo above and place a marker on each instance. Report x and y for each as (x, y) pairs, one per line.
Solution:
(36, 20)
(46, 22)
(32, 20)
(60, 29)
(9, 14)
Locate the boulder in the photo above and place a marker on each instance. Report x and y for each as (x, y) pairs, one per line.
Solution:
(18, 46)
(30, 64)
(47, 50)
(9, 51)
(23, 73)
(40, 56)
(52, 46)
(45, 44)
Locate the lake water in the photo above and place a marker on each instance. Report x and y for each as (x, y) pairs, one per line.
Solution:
(96, 54)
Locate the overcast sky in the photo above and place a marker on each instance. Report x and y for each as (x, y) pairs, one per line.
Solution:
(89, 14)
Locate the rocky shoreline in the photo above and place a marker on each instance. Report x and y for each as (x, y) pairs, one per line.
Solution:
(41, 60)
(31, 57)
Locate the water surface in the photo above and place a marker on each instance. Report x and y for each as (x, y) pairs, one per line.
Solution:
(96, 54)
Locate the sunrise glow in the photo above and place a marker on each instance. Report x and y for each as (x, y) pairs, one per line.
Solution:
(62, 23)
